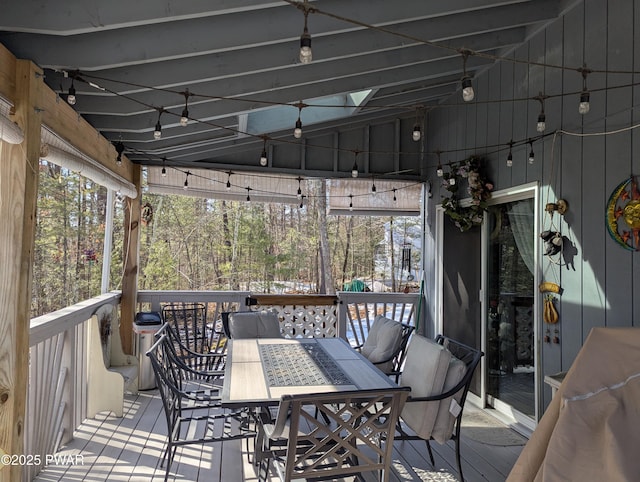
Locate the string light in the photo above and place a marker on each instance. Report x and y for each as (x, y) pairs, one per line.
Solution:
(299, 195)
(248, 194)
(584, 106)
(467, 87)
(119, 149)
(394, 194)
(71, 97)
(510, 156)
(302, 201)
(374, 191)
(354, 169)
(306, 55)
(532, 156)
(541, 124)
(229, 181)
(186, 181)
(416, 135)
(184, 118)
(263, 156)
(297, 132)
(439, 170)
(164, 170)
(157, 133)
(350, 202)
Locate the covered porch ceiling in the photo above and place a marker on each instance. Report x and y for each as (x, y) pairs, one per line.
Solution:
(234, 65)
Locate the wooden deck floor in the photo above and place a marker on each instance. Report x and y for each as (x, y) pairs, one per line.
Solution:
(130, 449)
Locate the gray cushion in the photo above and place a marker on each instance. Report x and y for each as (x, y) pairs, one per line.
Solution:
(383, 341)
(425, 371)
(443, 426)
(254, 324)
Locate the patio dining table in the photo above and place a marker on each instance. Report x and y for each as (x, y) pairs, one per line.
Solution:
(259, 371)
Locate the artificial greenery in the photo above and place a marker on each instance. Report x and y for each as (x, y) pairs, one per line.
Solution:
(478, 188)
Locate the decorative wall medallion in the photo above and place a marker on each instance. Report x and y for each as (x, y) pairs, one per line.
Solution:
(623, 215)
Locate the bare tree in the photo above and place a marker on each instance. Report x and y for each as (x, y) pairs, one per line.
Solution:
(325, 256)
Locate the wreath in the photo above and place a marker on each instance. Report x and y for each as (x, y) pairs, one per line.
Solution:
(478, 188)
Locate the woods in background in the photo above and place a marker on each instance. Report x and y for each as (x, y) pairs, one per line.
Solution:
(191, 243)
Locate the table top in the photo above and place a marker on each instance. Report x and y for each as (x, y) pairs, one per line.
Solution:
(259, 371)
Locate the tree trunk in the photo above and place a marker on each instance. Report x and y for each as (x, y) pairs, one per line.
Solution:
(325, 256)
(347, 248)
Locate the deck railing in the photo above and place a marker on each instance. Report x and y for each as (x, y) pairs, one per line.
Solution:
(57, 392)
(57, 396)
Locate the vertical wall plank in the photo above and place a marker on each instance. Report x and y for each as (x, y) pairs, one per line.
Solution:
(569, 187)
(536, 75)
(594, 196)
(618, 153)
(506, 123)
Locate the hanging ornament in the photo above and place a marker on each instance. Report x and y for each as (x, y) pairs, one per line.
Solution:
(623, 215)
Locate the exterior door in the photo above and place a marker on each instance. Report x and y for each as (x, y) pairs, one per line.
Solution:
(488, 279)
(510, 315)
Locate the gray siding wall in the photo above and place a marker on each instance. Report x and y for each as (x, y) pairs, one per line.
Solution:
(603, 286)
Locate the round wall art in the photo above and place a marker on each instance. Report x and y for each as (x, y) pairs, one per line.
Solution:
(623, 214)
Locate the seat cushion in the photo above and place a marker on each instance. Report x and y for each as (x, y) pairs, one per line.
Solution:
(425, 371)
(254, 324)
(383, 341)
(443, 426)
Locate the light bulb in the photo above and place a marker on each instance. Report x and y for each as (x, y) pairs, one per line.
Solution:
(263, 158)
(510, 160)
(452, 181)
(532, 157)
(305, 47)
(354, 170)
(584, 106)
(71, 98)
(439, 171)
(374, 191)
(157, 134)
(416, 133)
(184, 120)
(186, 184)
(297, 132)
(228, 185)
(163, 172)
(541, 125)
(467, 89)
(299, 195)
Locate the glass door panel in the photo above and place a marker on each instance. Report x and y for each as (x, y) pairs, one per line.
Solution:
(510, 360)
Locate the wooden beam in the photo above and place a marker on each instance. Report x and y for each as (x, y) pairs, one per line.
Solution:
(65, 122)
(129, 302)
(18, 194)
(7, 74)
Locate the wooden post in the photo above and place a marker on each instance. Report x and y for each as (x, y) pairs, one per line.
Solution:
(18, 195)
(131, 256)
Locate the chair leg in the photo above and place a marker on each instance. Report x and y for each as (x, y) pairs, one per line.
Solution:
(433, 462)
(458, 459)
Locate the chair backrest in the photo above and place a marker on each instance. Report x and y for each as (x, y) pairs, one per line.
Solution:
(253, 324)
(353, 434)
(168, 379)
(386, 344)
(189, 322)
(189, 361)
(438, 371)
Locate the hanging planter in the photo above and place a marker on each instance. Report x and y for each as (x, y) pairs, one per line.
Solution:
(478, 188)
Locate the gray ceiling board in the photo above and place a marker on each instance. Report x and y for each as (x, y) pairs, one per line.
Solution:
(240, 59)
